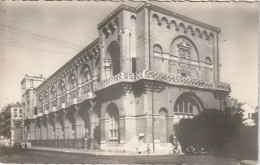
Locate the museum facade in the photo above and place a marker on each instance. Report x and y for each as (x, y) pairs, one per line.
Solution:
(149, 68)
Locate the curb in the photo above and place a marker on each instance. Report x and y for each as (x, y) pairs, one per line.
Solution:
(96, 153)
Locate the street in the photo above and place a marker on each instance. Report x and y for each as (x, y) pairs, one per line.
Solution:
(46, 157)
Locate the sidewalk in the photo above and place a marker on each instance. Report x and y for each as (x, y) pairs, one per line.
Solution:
(84, 151)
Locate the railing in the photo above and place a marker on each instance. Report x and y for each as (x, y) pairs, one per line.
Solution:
(85, 91)
(150, 75)
(61, 143)
(178, 59)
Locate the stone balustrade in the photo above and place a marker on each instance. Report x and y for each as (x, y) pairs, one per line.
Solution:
(86, 91)
(170, 79)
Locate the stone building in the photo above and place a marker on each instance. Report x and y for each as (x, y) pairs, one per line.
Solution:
(11, 113)
(149, 68)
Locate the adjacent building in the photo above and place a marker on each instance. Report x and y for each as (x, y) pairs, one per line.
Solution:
(149, 68)
(11, 113)
(248, 112)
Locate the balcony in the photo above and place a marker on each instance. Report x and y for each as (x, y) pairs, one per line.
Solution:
(169, 79)
(84, 91)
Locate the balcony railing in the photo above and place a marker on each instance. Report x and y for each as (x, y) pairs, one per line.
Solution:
(85, 91)
(150, 75)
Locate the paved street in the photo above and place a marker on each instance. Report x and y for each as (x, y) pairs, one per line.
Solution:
(36, 156)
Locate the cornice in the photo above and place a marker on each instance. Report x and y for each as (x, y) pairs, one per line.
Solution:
(176, 15)
(96, 41)
(115, 12)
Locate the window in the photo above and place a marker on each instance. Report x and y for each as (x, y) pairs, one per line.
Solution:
(208, 60)
(40, 99)
(20, 113)
(72, 81)
(61, 88)
(133, 64)
(53, 92)
(15, 112)
(191, 109)
(113, 124)
(187, 104)
(85, 74)
(157, 48)
(35, 110)
(113, 127)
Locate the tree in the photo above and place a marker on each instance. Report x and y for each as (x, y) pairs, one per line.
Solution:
(211, 129)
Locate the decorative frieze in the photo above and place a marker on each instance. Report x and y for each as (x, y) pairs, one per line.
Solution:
(186, 28)
(127, 88)
(164, 78)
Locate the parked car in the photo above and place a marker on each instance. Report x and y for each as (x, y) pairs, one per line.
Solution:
(196, 150)
(19, 147)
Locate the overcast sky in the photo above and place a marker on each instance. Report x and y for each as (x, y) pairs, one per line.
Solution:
(39, 37)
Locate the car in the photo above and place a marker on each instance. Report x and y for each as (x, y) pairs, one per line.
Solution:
(19, 146)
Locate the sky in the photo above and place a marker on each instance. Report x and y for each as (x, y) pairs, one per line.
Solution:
(39, 37)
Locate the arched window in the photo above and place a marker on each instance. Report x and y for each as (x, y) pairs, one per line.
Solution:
(188, 104)
(85, 74)
(113, 115)
(53, 92)
(113, 52)
(61, 87)
(172, 70)
(194, 73)
(40, 99)
(46, 96)
(157, 48)
(208, 61)
(72, 82)
(184, 47)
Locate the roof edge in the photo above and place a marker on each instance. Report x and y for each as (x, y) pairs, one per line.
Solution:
(69, 62)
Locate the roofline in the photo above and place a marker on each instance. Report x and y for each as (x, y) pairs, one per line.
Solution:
(158, 9)
(69, 62)
(13, 105)
(249, 105)
(34, 78)
(176, 15)
(115, 12)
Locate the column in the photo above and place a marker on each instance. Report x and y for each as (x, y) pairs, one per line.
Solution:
(125, 63)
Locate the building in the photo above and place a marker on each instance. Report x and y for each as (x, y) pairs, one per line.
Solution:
(248, 112)
(11, 113)
(149, 68)
(232, 106)
(28, 92)
(2, 124)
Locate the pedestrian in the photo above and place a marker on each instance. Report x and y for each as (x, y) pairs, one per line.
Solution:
(148, 149)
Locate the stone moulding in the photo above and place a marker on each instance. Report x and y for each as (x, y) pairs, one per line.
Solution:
(169, 79)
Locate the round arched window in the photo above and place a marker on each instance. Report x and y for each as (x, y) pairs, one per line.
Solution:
(85, 74)
(157, 48)
(61, 87)
(208, 60)
(72, 83)
(52, 92)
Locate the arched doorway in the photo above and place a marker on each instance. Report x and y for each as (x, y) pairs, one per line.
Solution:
(113, 53)
(112, 114)
(186, 106)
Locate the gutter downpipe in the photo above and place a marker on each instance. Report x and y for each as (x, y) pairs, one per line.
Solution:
(150, 56)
